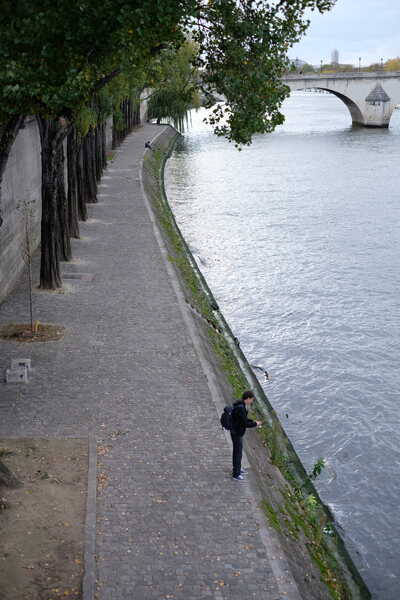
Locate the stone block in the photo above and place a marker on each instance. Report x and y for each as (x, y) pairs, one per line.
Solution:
(19, 375)
(19, 363)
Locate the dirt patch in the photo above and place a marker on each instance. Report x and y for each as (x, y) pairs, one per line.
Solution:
(21, 332)
(42, 522)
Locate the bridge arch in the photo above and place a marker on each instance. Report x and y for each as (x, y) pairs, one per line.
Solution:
(354, 109)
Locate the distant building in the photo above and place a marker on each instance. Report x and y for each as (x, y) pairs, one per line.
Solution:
(335, 57)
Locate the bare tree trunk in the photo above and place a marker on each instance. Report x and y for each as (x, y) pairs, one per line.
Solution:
(98, 157)
(89, 176)
(129, 114)
(62, 206)
(73, 209)
(29, 260)
(53, 232)
(103, 145)
(114, 133)
(82, 192)
(136, 114)
(126, 117)
(93, 166)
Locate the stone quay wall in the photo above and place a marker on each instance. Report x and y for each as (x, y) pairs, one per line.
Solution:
(21, 183)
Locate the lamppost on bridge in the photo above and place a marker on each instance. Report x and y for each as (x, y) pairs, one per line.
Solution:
(359, 63)
(381, 64)
(320, 70)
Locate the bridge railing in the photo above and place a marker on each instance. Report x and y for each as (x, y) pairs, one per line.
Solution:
(342, 75)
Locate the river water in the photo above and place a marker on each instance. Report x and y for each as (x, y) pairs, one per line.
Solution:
(298, 237)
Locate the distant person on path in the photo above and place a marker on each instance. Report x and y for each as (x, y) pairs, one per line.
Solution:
(240, 422)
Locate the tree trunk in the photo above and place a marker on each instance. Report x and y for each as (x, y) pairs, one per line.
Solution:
(124, 113)
(114, 133)
(136, 117)
(8, 133)
(99, 158)
(122, 131)
(82, 192)
(127, 117)
(103, 145)
(52, 134)
(89, 175)
(62, 206)
(129, 107)
(73, 205)
(93, 150)
(93, 166)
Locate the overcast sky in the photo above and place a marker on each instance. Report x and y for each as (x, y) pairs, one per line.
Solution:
(366, 28)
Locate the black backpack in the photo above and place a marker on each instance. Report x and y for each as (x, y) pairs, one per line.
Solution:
(226, 417)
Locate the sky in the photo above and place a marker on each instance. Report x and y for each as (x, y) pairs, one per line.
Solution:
(369, 29)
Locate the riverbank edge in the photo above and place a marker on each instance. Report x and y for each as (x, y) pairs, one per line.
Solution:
(224, 349)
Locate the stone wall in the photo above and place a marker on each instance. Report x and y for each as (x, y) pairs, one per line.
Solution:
(21, 181)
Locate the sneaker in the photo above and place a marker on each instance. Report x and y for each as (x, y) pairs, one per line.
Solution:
(238, 477)
(243, 471)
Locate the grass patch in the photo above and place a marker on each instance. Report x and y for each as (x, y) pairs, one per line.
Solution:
(272, 515)
(228, 363)
(303, 514)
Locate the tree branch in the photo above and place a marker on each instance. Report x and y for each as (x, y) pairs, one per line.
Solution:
(106, 79)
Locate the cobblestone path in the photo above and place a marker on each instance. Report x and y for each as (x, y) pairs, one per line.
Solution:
(171, 524)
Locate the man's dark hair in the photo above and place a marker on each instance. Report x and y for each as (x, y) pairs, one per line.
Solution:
(247, 394)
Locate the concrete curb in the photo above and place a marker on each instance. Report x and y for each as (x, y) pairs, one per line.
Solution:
(89, 577)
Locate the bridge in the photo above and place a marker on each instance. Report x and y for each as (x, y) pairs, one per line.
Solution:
(370, 97)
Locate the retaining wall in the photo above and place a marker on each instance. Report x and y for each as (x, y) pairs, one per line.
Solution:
(22, 181)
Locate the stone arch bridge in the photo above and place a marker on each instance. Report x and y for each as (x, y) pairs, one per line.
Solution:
(370, 97)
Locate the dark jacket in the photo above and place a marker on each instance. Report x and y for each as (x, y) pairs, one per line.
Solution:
(240, 422)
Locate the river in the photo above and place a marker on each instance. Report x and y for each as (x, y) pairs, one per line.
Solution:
(298, 237)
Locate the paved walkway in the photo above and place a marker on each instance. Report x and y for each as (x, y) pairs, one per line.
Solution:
(171, 522)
